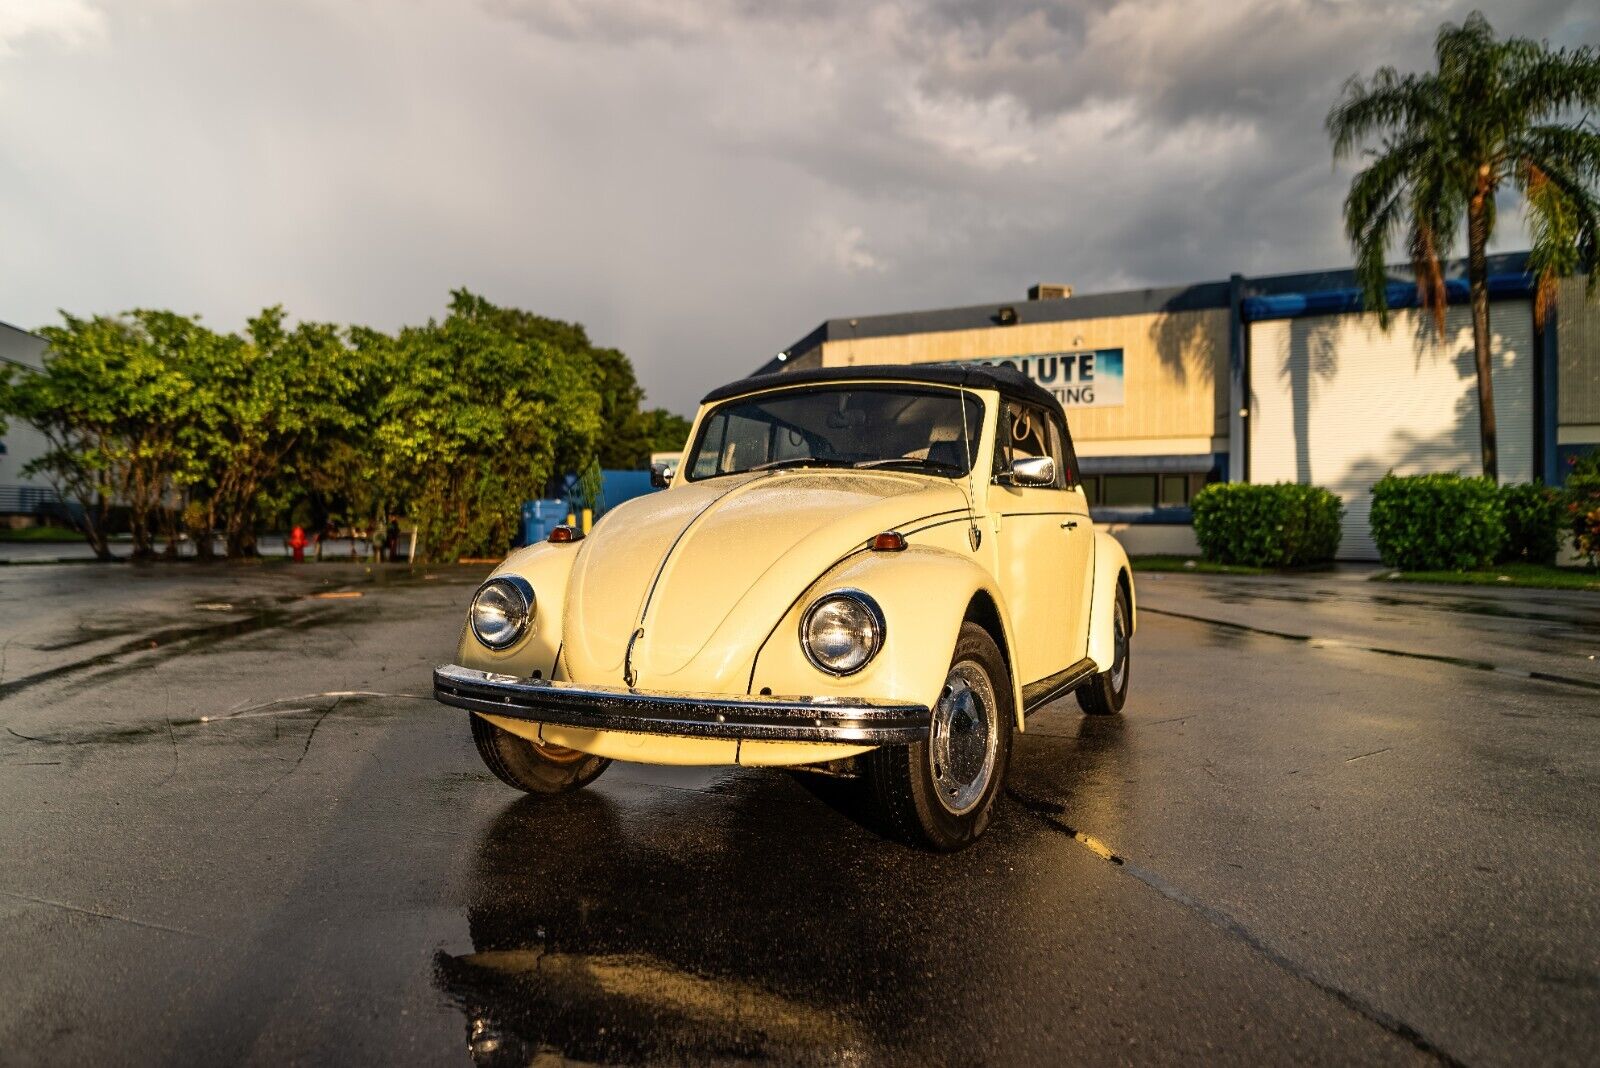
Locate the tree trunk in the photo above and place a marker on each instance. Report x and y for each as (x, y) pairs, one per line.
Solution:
(1478, 280)
(94, 526)
(96, 537)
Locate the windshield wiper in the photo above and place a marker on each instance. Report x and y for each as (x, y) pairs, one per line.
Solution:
(911, 461)
(798, 461)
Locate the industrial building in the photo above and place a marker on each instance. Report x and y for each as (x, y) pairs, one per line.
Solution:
(23, 500)
(1268, 379)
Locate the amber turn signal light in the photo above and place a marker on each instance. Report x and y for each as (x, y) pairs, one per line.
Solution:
(564, 533)
(890, 541)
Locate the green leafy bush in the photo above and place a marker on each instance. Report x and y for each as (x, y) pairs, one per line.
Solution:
(1534, 522)
(1280, 525)
(1581, 506)
(1437, 522)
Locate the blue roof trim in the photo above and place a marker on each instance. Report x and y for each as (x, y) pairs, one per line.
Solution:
(1399, 295)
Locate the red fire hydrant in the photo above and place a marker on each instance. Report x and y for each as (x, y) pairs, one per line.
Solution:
(297, 542)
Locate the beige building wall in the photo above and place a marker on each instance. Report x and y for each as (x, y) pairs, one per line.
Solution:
(1578, 355)
(1175, 374)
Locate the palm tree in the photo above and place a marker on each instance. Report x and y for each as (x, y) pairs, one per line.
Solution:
(1495, 114)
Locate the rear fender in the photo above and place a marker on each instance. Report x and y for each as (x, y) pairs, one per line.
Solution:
(1111, 568)
(924, 593)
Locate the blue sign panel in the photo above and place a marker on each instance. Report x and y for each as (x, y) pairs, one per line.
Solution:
(1091, 378)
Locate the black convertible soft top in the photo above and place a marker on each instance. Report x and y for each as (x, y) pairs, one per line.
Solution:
(1008, 381)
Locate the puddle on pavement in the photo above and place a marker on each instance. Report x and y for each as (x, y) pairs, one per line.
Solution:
(246, 731)
(173, 641)
(1477, 607)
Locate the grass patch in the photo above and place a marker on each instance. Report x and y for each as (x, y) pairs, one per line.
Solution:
(40, 534)
(1193, 565)
(1530, 576)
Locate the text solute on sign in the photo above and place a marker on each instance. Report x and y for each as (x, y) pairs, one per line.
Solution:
(1090, 378)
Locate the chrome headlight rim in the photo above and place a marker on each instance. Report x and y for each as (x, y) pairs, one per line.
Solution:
(879, 629)
(522, 590)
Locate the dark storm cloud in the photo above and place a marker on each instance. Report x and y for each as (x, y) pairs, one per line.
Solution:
(698, 183)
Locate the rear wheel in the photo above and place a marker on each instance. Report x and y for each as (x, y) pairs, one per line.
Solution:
(941, 793)
(1104, 694)
(527, 765)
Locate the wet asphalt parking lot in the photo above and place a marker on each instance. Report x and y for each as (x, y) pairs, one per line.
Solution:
(1340, 822)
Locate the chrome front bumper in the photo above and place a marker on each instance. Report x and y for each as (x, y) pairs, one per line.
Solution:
(851, 721)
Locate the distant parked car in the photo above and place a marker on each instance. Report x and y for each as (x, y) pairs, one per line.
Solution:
(874, 571)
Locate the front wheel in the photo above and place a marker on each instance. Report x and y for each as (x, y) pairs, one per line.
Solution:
(1104, 694)
(941, 793)
(526, 765)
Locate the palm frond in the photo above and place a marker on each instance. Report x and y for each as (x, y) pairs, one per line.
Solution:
(1380, 225)
(1564, 224)
(1378, 183)
(1386, 101)
(1548, 83)
(1435, 210)
(1575, 149)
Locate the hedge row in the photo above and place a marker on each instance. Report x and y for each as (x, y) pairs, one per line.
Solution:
(1453, 523)
(1279, 525)
(1535, 517)
(1420, 522)
(1437, 522)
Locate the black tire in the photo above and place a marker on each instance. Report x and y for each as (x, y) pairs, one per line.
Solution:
(538, 769)
(1104, 694)
(903, 790)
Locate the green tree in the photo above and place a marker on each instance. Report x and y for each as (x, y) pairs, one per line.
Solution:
(664, 431)
(1496, 114)
(342, 479)
(629, 432)
(110, 401)
(477, 413)
(454, 423)
(264, 403)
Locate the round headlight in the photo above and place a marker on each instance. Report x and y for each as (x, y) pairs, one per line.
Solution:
(501, 611)
(841, 632)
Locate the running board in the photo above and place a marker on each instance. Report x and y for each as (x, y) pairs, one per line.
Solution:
(1036, 695)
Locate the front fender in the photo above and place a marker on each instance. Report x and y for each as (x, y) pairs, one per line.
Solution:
(924, 593)
(546, 566)
(1111, 568)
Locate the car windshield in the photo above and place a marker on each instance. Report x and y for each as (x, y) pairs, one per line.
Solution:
(893, 427)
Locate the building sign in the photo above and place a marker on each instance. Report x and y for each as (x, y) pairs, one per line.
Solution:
(1088, 379)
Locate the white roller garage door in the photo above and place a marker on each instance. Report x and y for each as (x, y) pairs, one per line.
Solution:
(1337, 402)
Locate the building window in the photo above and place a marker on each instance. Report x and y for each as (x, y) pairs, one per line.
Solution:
(1091, 488)
(1128, 491)
(1174, 490)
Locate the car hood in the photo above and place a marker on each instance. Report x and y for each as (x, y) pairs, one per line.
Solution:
(703, 572)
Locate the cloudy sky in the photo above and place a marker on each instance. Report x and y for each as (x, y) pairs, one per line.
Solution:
(699, 184)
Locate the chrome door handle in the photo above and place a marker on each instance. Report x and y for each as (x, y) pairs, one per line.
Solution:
(1071, 524)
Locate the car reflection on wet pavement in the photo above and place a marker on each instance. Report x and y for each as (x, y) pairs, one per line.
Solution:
(243, 833)
(700, 961)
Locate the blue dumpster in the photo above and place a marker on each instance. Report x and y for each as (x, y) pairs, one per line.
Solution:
(615, 487)
(538, 517)
(619, 486)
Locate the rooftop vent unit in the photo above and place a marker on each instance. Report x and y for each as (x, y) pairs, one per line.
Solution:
(1048, 291)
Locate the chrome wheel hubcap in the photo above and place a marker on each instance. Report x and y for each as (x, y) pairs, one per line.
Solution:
(961, 748)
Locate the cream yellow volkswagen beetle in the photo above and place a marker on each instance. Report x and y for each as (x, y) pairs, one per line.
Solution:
(873, 571)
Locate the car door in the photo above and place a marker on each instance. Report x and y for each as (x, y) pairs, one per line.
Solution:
(1039, 535)
(1078, 530)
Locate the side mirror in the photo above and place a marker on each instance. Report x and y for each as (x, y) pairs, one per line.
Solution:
(1033, 471)
(661, 475)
